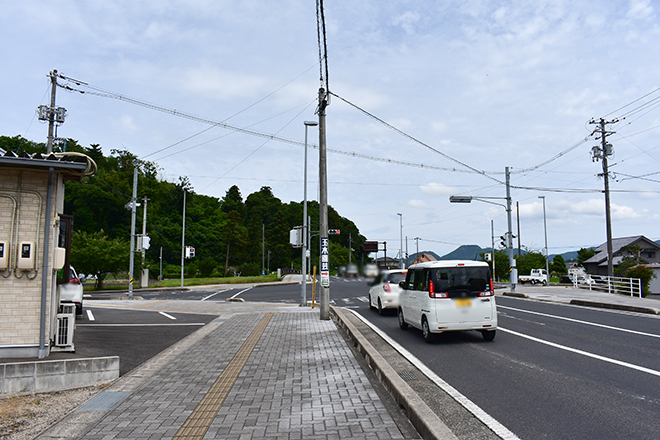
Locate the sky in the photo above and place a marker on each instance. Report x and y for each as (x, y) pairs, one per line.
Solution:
(470, 86)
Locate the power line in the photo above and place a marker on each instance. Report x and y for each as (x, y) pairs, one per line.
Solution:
(412, 138)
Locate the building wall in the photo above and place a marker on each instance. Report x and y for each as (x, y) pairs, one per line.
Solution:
(20, 292)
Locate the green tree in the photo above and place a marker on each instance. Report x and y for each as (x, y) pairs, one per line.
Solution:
(96, 254)
(558, 265)
(645, 274)
(584, 254)
(502, 267)
(528, 261)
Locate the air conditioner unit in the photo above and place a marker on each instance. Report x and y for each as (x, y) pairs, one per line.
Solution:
(65, 324)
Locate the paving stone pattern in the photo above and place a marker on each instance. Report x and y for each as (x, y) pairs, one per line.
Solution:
(300, 382)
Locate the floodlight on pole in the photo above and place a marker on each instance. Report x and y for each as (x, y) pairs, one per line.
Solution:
(303, 288)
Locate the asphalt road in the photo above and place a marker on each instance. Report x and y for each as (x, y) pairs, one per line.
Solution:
(553, 372)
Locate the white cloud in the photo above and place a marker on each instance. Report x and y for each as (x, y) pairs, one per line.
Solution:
(418, 204)
(433, 189)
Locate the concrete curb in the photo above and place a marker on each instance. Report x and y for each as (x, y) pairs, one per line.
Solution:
(427, 423)
(627, 308)
(515, 294)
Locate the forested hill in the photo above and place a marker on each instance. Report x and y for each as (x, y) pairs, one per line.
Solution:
(227, 233)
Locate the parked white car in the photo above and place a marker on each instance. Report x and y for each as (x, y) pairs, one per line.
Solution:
(450, 295)
(385, 290)
(71, 290)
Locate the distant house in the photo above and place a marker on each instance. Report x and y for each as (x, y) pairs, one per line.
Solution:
(384, 263)
(649, 251)
(423, 258)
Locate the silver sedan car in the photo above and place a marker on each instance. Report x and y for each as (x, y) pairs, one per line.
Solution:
(384, 292)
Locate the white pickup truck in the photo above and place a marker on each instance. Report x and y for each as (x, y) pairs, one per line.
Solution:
(536, 276)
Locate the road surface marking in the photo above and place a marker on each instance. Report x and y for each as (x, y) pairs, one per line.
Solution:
(472, 407)
(90, 315)
(198, 423)
(595, 324)
(167, 316)
(214, 294)
(244, 290)
(178, 324)
(583, 353)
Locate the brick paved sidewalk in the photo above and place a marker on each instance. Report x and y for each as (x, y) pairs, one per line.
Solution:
(255, 376)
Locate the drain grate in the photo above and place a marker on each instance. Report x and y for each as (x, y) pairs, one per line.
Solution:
(407, 375)
(105, 401)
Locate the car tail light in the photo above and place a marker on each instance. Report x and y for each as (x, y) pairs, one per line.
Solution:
(433, 294)
(386, 287)
(490, 292)
(74, 281)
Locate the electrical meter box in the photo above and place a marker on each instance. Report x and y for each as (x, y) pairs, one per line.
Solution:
(4, 255)
(26, 255)
(59, 257)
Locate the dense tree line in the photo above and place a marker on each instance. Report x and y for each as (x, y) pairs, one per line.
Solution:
(227, 233)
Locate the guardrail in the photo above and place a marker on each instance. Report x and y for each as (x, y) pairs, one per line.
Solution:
(620, 285)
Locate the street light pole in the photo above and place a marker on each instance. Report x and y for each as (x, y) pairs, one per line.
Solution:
(401, 238)
(303, 288)
(468, 199)
(545, 231)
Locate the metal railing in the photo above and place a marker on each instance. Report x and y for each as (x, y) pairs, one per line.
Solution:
(624, 286)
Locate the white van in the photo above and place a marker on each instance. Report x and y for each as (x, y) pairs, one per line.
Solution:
(450, 295)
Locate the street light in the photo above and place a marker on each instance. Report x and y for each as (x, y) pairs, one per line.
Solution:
(468, 199)
(303, 292)
(401, 237)
(545, 231)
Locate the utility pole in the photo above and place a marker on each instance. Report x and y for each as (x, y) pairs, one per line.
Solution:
(131, 265)
(263, 250)
(518, 220)
(144, 275)
(350, 247)
(417, 245)
(603, 152)
(324, 294)
(513, 276)
(183, 237)
(51, 113)
(402, 265)
(492, 247)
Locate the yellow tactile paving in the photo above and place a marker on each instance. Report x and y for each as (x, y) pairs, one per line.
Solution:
(199, 421)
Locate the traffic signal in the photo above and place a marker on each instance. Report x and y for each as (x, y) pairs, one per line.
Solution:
(146, 242)
(333, 231)
(503, 241)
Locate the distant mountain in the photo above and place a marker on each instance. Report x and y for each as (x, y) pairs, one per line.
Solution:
(465, 252)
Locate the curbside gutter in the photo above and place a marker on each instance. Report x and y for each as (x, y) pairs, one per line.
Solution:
(624, 307)
(427, 423)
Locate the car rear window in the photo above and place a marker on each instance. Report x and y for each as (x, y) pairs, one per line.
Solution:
(460, 279)
(394, 278)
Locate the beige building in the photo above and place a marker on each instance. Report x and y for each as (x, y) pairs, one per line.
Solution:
(33, 245)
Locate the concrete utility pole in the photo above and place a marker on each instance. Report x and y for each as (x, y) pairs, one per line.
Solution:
(492, 247)
(51, 113)
(602, 153)
(545, 232)
(403, 266)
(324, 294)
(183, 237)
(518, 221)
(305, 230)
(513, 276)
(144, 275)
(131, 264)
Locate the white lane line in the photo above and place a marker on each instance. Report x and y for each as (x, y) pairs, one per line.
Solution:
(244, 290)
(479, 413)
(90, 315)
(583, 353)
(595, 324)
(168, 316)
(364, 299)
(214, 294)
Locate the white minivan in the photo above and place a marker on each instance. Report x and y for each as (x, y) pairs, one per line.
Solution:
(450, 295)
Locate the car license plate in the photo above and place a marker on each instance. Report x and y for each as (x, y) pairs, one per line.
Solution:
(463, 302)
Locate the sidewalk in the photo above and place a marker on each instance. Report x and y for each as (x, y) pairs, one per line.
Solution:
(586, 297)
(276, 374)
